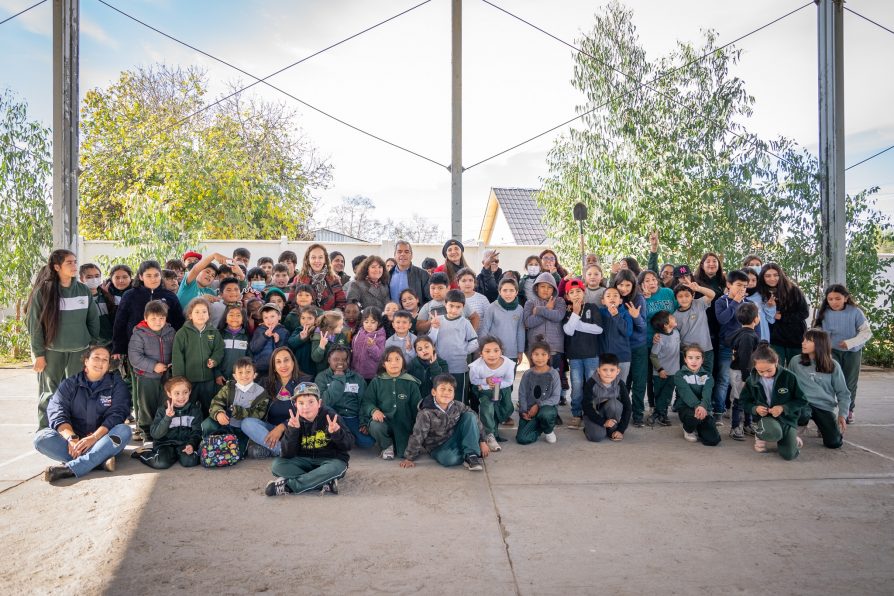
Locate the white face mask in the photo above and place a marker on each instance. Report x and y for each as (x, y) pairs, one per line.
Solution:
(533, 270)
(93, 282)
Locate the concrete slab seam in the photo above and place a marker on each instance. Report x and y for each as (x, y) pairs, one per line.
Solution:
(502, 527)
(868, 450)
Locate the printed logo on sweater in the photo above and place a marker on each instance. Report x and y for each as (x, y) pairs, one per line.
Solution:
(210, 337)
(103, 308)
(782, 391)
(352, 387)
(75, 303)
(181, 421)
(401, 396)
(696, 379)
(105, 401)
(318, 440)
(236, 344)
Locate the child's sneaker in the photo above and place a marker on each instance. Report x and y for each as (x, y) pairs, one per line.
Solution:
(473, 463)
(388, 453)
(638, 423)
(576, 423)
(277, 487)
(550, 437)
(760, 446)
(652, 419)
(147, 444)
(850, 417)
(663, 420)
(736, 433)
(492, 443)
(508, 422)
(718, 419)
(691, 437)
(750, 430)
(255, 451)
(330, 487)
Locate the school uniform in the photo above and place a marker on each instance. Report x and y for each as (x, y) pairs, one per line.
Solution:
(398, 399)
(692, 324)
(505, 321)
(320, 356)
(544, 390)
(665, 358)
(493, 406)
(825, 393)
(192, 350)
(449, 434)
(781, 390)
(850, 326)
(170, 434)
(425, 372)
(602, 403)
(344, 394)
(694, 389)
(238, 403)
(454, 340)
(235, 347)
(148, 348)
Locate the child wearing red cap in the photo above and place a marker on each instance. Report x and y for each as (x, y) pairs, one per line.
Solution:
(581, 326)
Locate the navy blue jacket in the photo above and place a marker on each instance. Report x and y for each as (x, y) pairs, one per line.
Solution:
(130, 313)
(86, 409)
(616, 333)
(725, 308)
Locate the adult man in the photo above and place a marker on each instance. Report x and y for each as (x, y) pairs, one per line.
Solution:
(406, 275)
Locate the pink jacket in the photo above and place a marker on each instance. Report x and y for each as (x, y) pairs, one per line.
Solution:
(365, 358)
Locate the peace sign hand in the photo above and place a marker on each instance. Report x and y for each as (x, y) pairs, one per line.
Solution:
(334, 426)
(169, 410)
(294, 419)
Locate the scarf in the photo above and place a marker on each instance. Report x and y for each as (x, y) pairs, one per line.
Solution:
(318, 282)
(508, 305)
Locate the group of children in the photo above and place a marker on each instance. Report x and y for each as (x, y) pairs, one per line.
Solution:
(257, 356)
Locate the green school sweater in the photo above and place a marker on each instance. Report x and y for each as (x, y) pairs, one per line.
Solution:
(786, 393)
(193, 348)
(78, 321)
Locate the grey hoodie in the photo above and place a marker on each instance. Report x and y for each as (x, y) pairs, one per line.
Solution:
(542, 389)
(666, 353)
(147, 348)
(546, 322)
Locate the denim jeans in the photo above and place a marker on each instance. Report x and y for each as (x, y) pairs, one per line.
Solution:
(581, 370)
(257, 430)
(361, 440)
(50, 443)
(721, 385)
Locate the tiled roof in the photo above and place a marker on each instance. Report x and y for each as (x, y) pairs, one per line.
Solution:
(522, 214)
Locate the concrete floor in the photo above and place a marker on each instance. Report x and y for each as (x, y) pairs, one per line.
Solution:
(651, 514)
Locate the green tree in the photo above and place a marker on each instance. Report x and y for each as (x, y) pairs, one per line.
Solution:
(25, 215)
(237, 169)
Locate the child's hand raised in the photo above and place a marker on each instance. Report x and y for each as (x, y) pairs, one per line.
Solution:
(276, 338)
(269, 332)
(551, 303)
(653, 240)
(632, 309)
(324, 341)
(294, 419)
(169, 410)
(612, 310)
(435, 321)
(305, 331)
(333, 425)
(407, 345)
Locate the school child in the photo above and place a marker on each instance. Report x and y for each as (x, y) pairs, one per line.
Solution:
(257, 283)
(694, 387)
(767, 308)
(844, 321)
(427, 364)
(198, 280)
(409, 302)
(743, 342)
(300, 342)
(176, 429)
(268, 336)
(725, 308)
(352, 320)
(170, 281)
(544, 312)
(665, 359)
(538, 396)
(447, 429)
(773, 396)
(240, 398)
(253, 310)
(266, 265)
(437, 288)
(198, 348)
(526, 283)
(389, 405)
(824, 386)
(280, 277)
(230, 293)
(388, 313)
(235, 338)
(368, 344)
(342, 390)
(91, 276)
(606, 402)
(119, 282)
(303, 297)
(617, 329)
(582, 325)
(595, 285)
(315, 448)
(477, 303)
(504, 319)
(637, 370)
(491, 377)
(150, 352)
(692, 318)
(403, 338)
(328, 334)
(455, 339)
(277, 297)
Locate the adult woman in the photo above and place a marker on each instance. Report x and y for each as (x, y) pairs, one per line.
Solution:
(787, 331)
(147, 287)
(338, 266)
(63, 320)
(265, 433)
(86, 420)
(370, 287)
(454, 260)
(316, 271)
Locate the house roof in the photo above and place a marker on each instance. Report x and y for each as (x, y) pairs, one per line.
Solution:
(522, 214)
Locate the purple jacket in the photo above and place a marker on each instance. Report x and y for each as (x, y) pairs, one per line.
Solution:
(365, 358)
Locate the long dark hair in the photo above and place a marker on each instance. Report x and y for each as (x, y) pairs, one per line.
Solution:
(626, 275)
(702, 278)
(451, 269)
(388, 351)
(143, 268)
(559, 269)
(273, 383)
(824, 307)
(822, 351)
(48, 288)
(787, 293)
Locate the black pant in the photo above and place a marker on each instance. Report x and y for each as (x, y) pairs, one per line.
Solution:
(826, 422)
(705, 429)
(162, 457)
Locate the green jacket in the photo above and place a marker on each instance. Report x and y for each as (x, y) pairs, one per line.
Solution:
(223, 402)
(398, 398)
(342, 393)
(786, 393)
(193, 349)
(292, 322)
(425, 372)
(78, 321)
(319, 356)
(185, 427)
(693, 389)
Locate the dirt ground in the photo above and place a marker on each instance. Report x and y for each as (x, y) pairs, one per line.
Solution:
(651, 514)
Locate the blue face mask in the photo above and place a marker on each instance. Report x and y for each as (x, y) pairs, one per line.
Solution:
(258, 285)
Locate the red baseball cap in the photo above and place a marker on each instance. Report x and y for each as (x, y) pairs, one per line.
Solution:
(574, 283)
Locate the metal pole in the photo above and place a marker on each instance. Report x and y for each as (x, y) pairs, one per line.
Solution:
(831, 140)
(65, 124)
(456, 153)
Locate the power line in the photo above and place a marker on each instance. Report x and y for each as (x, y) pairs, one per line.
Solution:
(873, 156)
(641, 84)
(274, 87)
(21, 12)
(865, 18)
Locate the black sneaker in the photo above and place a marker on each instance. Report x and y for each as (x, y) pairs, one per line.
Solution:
(54, 473)
(473, 463)
(277, 487)
(559, 420)
(638, 423)
(663, 420)
(330, 487)
(563, 401)
(652, 419)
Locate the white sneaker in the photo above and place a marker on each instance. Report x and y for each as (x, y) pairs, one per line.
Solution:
(147, 444)
(550, 437)
(492, 443)
(691, 437)
(388, 453)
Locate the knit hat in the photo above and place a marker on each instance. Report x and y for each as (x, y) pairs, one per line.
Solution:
(681, 270)
(192, 255)
(273, 290)
(306, 388)
(573, 284)
(450, 243)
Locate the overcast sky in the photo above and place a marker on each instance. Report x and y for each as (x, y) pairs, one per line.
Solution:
(395, 80)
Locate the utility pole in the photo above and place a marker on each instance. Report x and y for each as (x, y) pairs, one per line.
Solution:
(456, 153)
(831, 140)
(65, 124)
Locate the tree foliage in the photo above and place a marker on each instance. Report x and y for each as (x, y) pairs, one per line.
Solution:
(354, 216)
(241, 168)
(664, 147)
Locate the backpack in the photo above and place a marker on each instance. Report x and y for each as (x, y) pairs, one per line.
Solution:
(219, 450)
